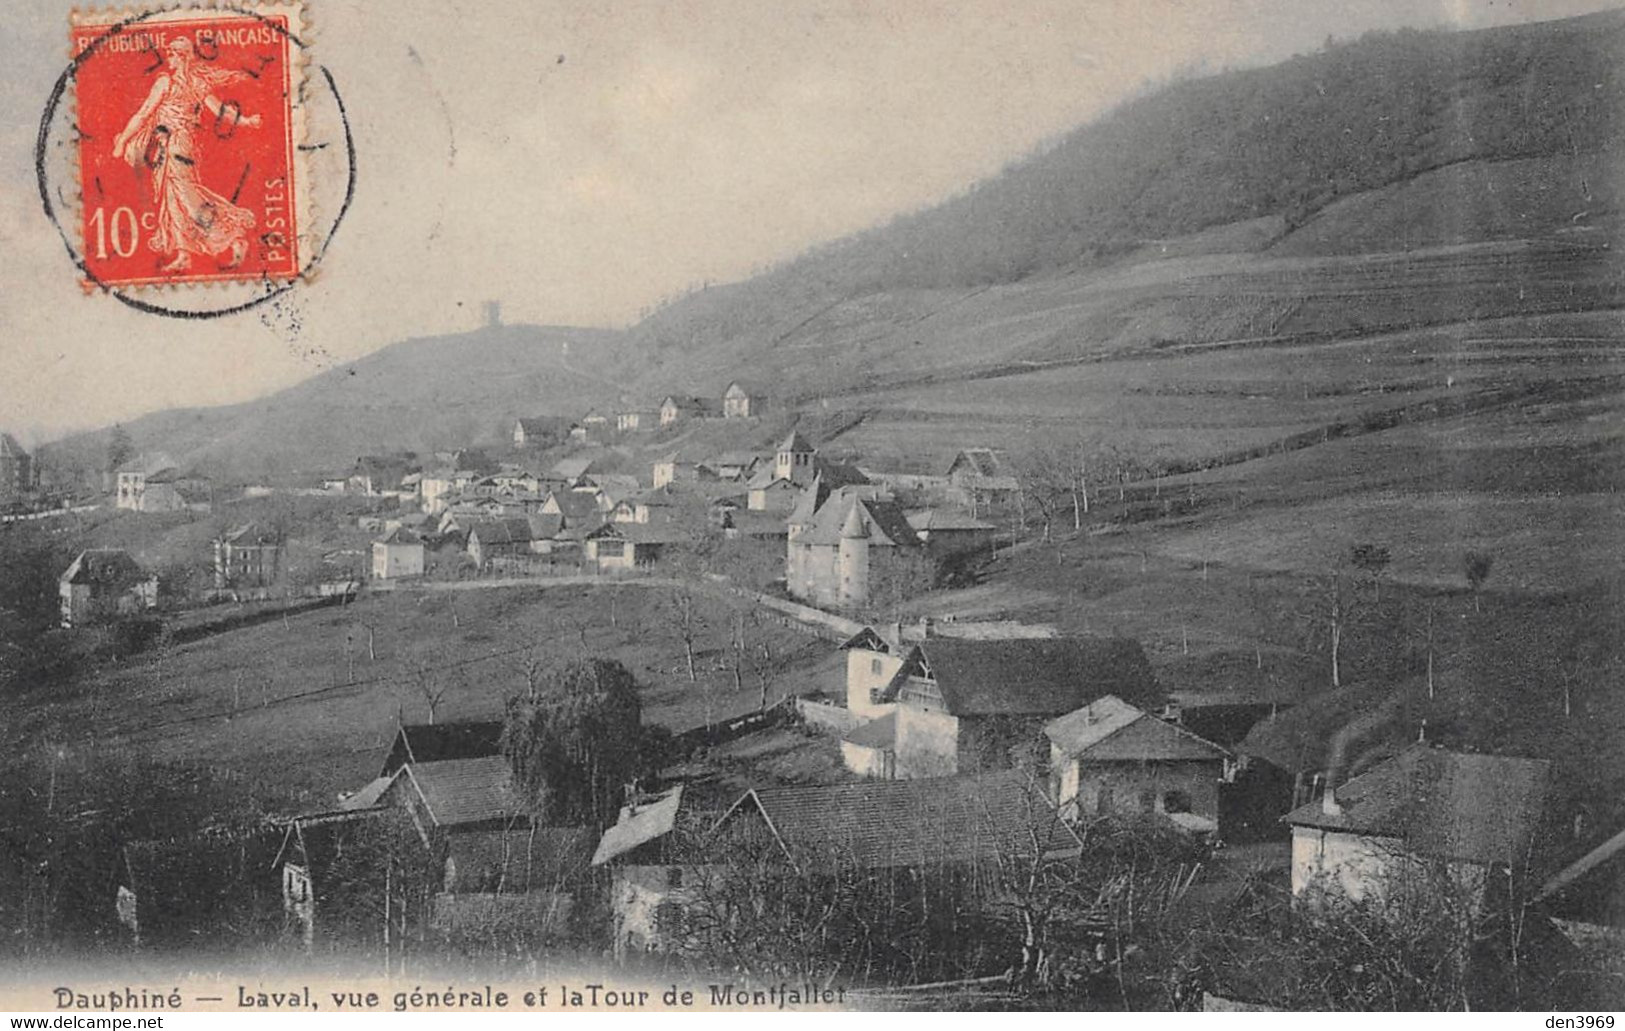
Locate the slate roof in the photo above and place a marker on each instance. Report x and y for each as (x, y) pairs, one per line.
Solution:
(512, 861)
(580, 509)
(696, 405)
(877, 733)
(504, 530)
(570, 468)
(982, 461)
(105, 567)
(368, 796)
(638, 825)
(1037, 676)
(1480, 808)
(1111, 730)
(433, 742)
(466, 791)
(544, 525)
(399, 535)
(882, 824)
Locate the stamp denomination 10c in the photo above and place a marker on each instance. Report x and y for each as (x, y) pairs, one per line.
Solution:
(188, 133)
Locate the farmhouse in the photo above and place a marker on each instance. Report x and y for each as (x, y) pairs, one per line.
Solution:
(958, 705)
(397, 554)
(978, 480)
(650, 884)
(1426, 819)
(1111, 758)
(249, 556)
(681, 406)
(457, 796)
(744, 400)
(104, 583)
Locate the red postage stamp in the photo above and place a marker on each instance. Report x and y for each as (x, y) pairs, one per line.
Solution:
(188, 126)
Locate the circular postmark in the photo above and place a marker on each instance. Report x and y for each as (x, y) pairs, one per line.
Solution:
(193, 161)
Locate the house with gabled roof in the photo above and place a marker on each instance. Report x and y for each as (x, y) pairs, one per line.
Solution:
(650, 880)
(978, 479)
(172, 490)
(397, 554)
(959, 705)
(540, 431)
(1110, 758)
(683, 406)
(624, 547)
(504, 536)
(154, 483)
(968, 822)
(104, 583)
(744, 400)
(1476, 821)
(248, 556)
(333, 867)
(458, 795)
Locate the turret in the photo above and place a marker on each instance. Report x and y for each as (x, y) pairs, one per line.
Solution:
(852, 561)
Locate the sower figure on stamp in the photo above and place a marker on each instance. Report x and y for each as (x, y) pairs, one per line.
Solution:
(165, 133)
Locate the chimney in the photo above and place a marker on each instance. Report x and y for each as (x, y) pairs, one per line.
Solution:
(927, 627)
(1328, 800)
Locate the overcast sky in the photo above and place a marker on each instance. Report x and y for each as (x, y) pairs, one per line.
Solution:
(580, 161)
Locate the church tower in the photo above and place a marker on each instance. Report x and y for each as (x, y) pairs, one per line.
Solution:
(794, 461)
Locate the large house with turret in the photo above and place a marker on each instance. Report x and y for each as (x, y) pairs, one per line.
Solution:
(843, 541)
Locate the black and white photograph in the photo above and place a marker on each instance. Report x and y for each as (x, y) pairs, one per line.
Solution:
(812, 506)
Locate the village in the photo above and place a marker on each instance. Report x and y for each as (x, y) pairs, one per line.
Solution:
(961, 801)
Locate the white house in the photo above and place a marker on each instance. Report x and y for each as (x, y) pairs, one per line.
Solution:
(1425, 814)
(397, 554)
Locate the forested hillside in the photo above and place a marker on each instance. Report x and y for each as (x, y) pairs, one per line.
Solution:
(1285, 141)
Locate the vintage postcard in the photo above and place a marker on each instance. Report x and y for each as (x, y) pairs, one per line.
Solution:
(812, 506)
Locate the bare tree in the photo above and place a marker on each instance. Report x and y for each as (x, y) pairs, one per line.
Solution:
(1476, 565)
(432, 691)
